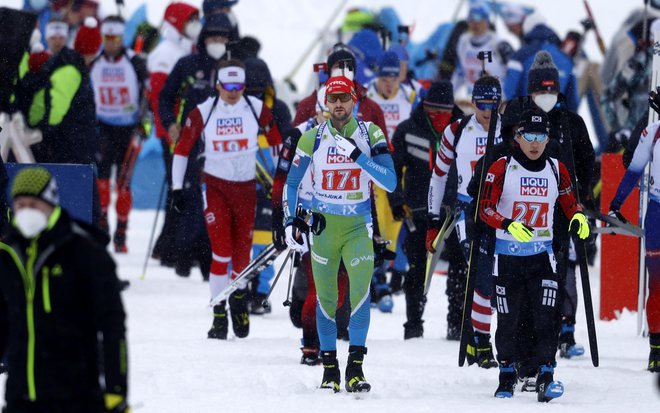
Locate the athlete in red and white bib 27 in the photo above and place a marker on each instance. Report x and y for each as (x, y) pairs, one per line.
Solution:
(518, 200)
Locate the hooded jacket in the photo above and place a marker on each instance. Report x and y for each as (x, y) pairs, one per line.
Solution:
(58, 293)
(193, 78)
(540, 38)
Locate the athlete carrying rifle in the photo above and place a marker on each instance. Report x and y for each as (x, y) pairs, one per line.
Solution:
(462, 144)
(346, 156)
(647, 149)
(518, 200)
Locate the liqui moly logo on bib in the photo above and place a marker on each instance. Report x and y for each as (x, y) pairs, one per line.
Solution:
(480, 146)
(533, 186)
(334, 157)
(112, 74)
(229, 126)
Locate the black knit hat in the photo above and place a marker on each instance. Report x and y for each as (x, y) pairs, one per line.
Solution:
(440, 95)
(257, 74)
(543, 75)
(340, 52)
(534, 121)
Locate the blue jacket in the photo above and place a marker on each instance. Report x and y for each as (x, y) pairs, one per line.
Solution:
(540, 38)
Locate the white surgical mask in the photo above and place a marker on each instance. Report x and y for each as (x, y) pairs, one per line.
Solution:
(193, 29)
(546, 101)
(216, 50)
(30, 221)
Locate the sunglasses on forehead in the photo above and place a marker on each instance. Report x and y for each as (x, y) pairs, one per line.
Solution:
(231, 87)
(344, 97)
(530, 137)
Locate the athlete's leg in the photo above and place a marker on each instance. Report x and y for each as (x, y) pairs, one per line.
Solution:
(326, 256)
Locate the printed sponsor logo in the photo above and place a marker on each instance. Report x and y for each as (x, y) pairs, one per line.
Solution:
(354, 196)
(284, 165)
(329, 196)
(285, 153)
(319, 259)
(490, 177)
(480, 147)
(533, 186)
(357, 260)
(549, 284)
(113, 74)
(334, 158)
(229, 126)
(537, 118)
(378, 133)
(296, 160)
(233, 145)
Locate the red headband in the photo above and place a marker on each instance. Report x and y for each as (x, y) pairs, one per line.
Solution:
(339, 84)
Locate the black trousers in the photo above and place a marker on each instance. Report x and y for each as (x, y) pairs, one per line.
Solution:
(527, 284)
(413, 286)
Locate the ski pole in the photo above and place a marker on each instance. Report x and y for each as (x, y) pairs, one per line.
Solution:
(287, 302)
(153, 228)
(265, 303)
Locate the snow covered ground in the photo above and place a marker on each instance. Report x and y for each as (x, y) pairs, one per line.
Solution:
(174, 368)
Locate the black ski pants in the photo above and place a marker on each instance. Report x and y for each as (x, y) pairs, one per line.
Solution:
(413, 286)
(533, 279)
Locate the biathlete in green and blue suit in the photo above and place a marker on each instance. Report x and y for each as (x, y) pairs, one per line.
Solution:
(345, 156)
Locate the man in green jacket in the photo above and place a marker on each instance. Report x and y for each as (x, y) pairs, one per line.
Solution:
(61, 314)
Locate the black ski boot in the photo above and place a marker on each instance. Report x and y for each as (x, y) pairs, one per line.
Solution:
(508, 379)
(119, 237)
(310, 356)
(654, 356)
(257, 304)
(483, 350)
(240, 316)
(355, 381)
(219, 328)
(331, 373)
(568, 348)
(546, 388)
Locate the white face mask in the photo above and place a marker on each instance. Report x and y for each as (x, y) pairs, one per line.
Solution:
(216, 50)
(546, 101)
(193, 29)
(30, 221)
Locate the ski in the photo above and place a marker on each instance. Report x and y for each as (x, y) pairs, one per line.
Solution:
(599, 38)
(265, 259)
(615, 225)
(466, 325)
(451, 218)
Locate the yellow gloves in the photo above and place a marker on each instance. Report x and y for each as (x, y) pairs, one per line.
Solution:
(520, 231)
(581, 225)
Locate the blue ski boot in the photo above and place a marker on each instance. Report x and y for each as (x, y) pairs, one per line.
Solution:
(508, 379)
(567, 346)
(546, 388)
